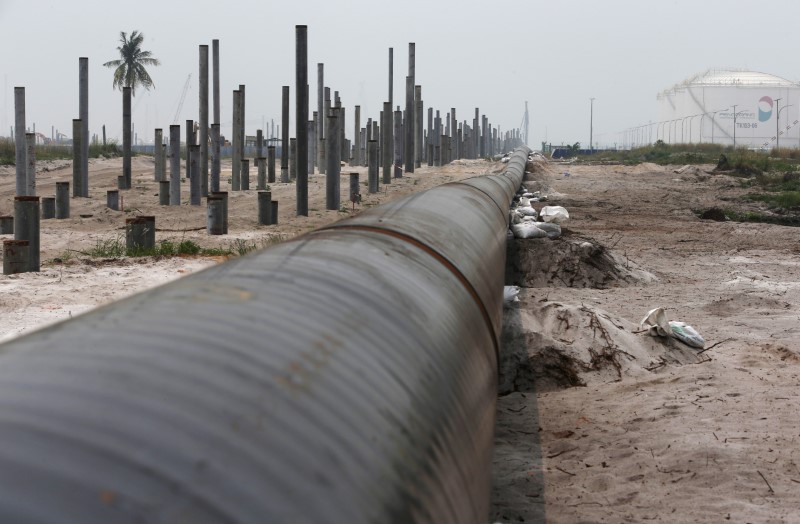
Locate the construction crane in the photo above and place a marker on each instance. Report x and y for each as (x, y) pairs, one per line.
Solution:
(183, 98)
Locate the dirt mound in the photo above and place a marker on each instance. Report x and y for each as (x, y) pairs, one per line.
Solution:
(569, 261)
(551, 345)
(713, 213)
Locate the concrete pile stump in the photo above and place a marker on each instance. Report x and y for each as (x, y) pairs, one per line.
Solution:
(48, 207)
(15, 256)
(26, 227)
(6, 225)
(112, 199)
(215, 213)
(140, 234)
(62, 200)
(265, 208)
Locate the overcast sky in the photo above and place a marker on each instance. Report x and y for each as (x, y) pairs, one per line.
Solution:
(492, 55)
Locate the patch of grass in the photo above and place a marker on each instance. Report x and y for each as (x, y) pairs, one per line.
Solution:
(55, 151)
(754, 216)
(108, 248)
(783, 200)
(241, 247)
(116, 248)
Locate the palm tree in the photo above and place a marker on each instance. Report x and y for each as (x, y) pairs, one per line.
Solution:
(130, 71)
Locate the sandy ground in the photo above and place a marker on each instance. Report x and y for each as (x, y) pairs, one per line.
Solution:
(657, 431)
(71, 282)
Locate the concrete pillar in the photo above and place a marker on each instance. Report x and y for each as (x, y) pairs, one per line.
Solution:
(311, 133)
(285, 135)
(244, 174)
(6, 225)
(292, 159)
(386, 148)
(372, 166)
(195, 182)
(242, 134)
(215, 215)
(483, 133)
(215, 158)
(224, 196)
(215, 60)
(271, 164)
(417, 125)
(16, 256)
(164, 162)
(259, 144)
(26, 226)
(175, 165)
(138, 237)
(265, 208)
(408, 126)
(158, 139)
(19, 142)
(163, 192)
(126, 137)
(190, 141)
(301, 87)
(476, 134)
(454, 150)
(83, 114)
(314, 151)
(203, 131)
(274, 212)
(430, 135)
(112, 199)
(355, 190)
(399, 137)
(48, 207)
(326, 110)
(357, 136)
(77, 132)
(261, 164)
(332, 169)
(30, 164)
(341, 122)
(391, 76)
(62, 200)
(235, 159)
(320, 112)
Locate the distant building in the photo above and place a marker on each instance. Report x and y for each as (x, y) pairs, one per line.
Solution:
(703, 109)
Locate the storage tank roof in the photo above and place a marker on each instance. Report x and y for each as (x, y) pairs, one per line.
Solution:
(738, 78)
(729, 77)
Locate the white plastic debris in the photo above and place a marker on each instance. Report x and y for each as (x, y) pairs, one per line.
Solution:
(527, 211)
(657, 325)
(527, 230)
(524, 201)
(510, 295)
(555, 214)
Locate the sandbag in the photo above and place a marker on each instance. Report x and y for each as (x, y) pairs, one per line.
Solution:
(555, 214)
(527, 230)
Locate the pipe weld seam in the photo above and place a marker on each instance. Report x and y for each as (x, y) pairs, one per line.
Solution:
(442, 260)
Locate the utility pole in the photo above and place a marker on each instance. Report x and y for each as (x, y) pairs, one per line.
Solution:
(734, 126)
(591, 122)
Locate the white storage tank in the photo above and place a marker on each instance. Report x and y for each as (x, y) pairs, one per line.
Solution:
(757, 110)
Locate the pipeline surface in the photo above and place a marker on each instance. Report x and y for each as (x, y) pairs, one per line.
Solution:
(348, 375)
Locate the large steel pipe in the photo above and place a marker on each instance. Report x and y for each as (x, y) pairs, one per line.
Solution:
(347, 375)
